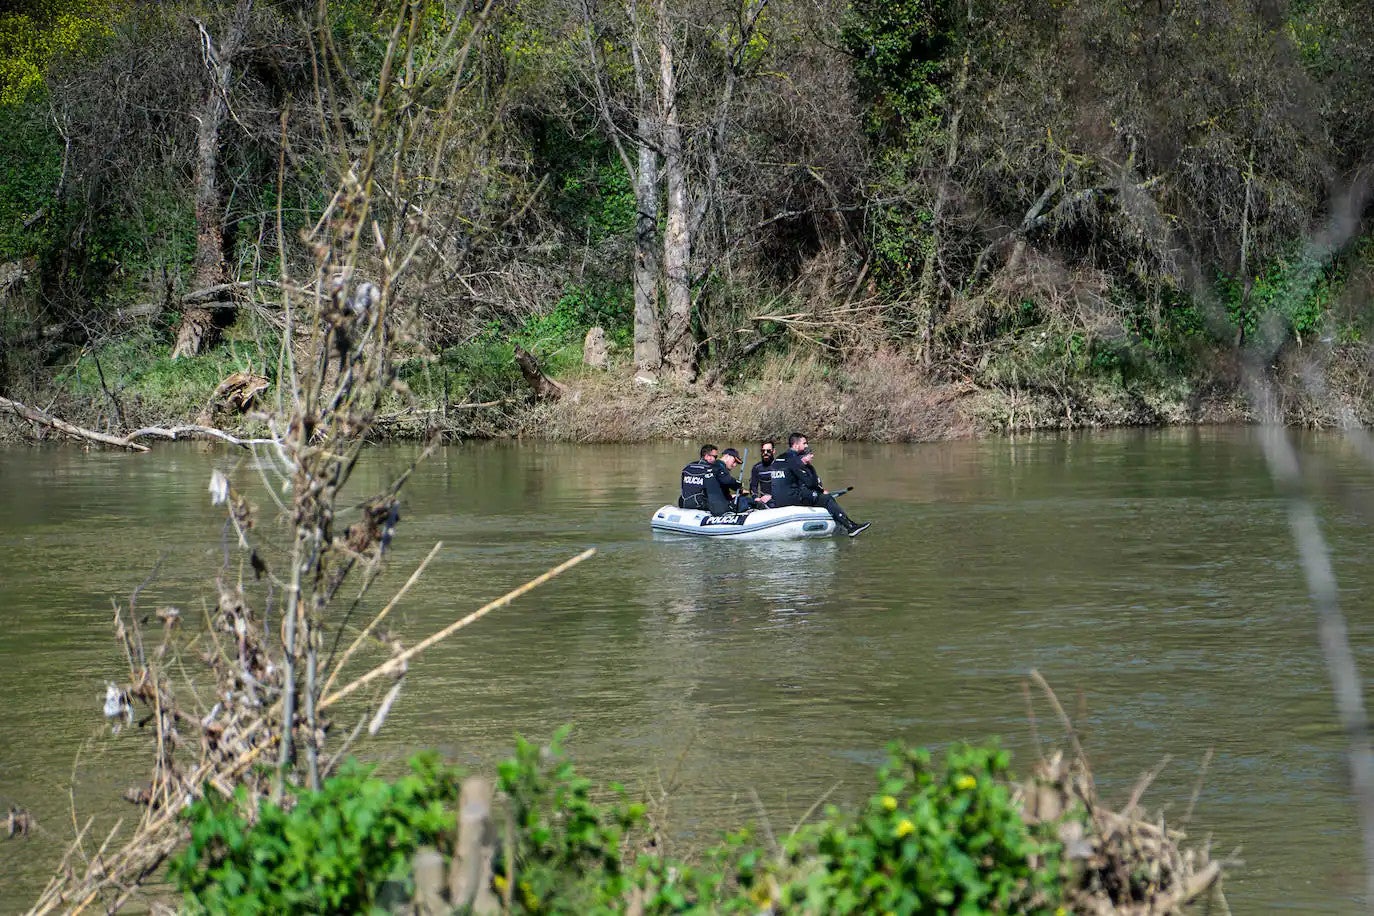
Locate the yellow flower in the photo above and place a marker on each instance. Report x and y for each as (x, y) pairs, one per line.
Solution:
(1060, 911)
(500, 882)
(889, 803)
(904, 827)
(965, 782)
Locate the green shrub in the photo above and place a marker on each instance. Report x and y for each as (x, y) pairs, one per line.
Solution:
(935, 840)
(567, 849)
(580, 308)
(141, 373)
(944, 839)
(331, 852)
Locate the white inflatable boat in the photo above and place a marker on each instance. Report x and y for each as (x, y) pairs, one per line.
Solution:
(758, 524)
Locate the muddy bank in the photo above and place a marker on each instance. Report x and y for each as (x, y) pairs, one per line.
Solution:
(884, 399)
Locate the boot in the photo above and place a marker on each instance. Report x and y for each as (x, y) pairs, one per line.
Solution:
(853, 528)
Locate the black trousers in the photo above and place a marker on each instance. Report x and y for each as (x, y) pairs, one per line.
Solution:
(827, 502)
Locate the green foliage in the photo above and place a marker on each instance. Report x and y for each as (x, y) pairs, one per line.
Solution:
(591, 190)
(141, 373)
(30, 163)
(480, 369)
(901, 238)
(580, 308)
(566, 856)
(935, 840)
(34, 33)
(900, 50)
(329, 852)
(1291, 296)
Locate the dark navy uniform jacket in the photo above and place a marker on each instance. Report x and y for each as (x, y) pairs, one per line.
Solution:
(761, 477)
(797, 484)
(694, 477)
(718, 488)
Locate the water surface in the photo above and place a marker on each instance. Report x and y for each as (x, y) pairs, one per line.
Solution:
(1149, 575)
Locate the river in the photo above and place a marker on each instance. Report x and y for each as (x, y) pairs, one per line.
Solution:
(1149, 575)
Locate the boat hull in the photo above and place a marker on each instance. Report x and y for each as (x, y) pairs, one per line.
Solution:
(787, 523)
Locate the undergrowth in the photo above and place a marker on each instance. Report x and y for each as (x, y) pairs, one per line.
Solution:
(138, 374)
(942, 837)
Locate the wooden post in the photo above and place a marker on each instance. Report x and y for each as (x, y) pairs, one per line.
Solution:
(469, 877)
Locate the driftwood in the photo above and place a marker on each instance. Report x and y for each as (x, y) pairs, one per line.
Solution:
(34, 415)
(545, 388)
(190, 431)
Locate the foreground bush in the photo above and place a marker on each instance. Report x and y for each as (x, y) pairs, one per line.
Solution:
(331, 851)
(935, 839)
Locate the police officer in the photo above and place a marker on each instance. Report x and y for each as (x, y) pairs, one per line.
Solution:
(721, 486)
(800, 485)
(761, 475)
(694, 477)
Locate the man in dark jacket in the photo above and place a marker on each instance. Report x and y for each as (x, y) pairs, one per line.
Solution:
(723, 492)
(761, 475)
(800, 485)
(694, 477)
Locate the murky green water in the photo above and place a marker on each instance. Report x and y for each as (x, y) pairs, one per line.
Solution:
(1148, 575)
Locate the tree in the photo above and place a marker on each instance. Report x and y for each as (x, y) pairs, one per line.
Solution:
(220, 57)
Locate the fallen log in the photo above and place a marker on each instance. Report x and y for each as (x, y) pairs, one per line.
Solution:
(34, 415)
(191, 431)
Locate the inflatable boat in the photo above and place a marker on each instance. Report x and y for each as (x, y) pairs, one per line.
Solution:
(758, 524)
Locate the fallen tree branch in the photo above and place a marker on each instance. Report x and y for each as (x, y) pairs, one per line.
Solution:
(34, 415)
(193, 431)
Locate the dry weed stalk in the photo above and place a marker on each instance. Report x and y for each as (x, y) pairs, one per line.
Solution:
(240, 703)
(1123, 862)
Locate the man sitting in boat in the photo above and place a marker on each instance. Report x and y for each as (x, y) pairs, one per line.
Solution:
(694, 480)
(762, 473)
(800, 485)
(707, 485)
(731, 490)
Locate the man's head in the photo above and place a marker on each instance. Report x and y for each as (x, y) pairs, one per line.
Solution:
(796, 442)
(730, 458)
(766, 450)
(708, 453)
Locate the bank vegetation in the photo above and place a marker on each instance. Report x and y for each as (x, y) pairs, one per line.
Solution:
(891, 219)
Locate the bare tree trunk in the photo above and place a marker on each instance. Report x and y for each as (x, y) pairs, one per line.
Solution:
(679, 347)
(1245, 250)
(643, 172)
(198, 327)
(648, 327)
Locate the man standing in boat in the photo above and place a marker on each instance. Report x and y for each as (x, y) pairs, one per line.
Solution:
(800, 485)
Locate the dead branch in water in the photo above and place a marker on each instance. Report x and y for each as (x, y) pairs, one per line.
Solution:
(43, 418)
(193, 431)
(1122, 862)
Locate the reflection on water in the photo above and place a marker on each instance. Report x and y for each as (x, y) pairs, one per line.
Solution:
(1148, 574)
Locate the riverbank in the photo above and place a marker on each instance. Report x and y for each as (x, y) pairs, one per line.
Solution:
(885, 398)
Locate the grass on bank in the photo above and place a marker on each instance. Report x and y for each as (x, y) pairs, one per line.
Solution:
(133, 381)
